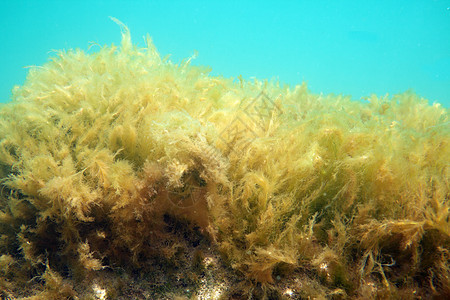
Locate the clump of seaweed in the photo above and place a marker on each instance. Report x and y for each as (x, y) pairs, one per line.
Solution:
(105, 156)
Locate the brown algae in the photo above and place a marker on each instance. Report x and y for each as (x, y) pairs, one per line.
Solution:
(106, 157)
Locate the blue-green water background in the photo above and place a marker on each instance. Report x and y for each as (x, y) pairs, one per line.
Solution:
(344, 47)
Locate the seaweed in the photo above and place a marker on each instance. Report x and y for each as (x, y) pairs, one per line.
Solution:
(110, 159)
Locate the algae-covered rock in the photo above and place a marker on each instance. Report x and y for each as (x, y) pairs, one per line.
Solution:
(118, 159)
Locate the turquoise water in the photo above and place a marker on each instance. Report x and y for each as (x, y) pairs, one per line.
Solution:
(351, 47)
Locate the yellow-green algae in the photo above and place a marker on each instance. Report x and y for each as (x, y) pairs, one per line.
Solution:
(98, 149)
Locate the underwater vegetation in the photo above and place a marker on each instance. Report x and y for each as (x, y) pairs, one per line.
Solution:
(101, 152)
